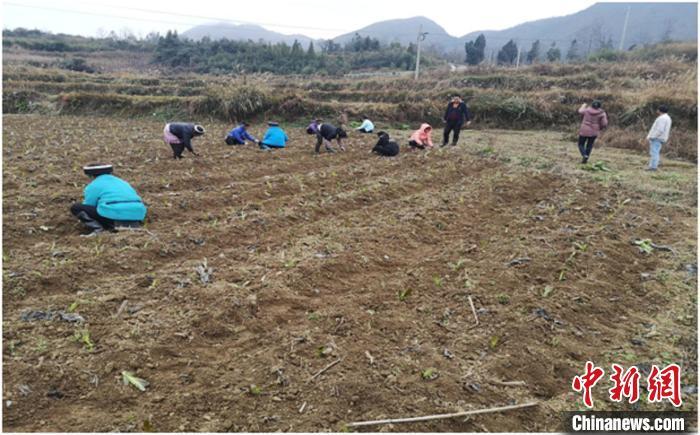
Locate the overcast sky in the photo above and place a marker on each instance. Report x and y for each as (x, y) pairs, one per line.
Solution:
(315, 18)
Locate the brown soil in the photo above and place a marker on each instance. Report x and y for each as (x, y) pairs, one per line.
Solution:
(309, 257)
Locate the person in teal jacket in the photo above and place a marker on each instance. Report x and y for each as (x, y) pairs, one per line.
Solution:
(108, 202)
(274, 137)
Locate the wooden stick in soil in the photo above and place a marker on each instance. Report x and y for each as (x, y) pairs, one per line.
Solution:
(442, 416)
(323, 370)
(471, 304)
(509, 383)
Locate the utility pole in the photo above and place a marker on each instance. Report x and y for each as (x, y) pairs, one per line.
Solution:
(517, 59)
(624, 29)
(421, 37)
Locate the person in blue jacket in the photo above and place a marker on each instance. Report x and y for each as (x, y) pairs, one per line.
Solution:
(108, 202)
(239, 135)
(274, 137)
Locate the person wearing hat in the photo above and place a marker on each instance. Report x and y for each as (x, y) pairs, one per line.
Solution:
(179, 135)
(593, 121)
(108, 202)
(274, 137)
(456, 115)
(239, 135)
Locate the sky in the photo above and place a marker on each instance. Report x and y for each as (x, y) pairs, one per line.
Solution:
(314, 18)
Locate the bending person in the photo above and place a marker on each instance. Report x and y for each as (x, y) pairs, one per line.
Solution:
(179, 135)
(108, 202)
(385, 146)
(367, 126)
(239, 135)
(422, 138)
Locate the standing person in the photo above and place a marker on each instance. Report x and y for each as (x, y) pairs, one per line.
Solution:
(421, 138)
(179, 135)
(594, 120)
(367, 126)
(385, 146)
(274, 137)
(658, 136)
(108, 201)
(456, 115)
(239, 134)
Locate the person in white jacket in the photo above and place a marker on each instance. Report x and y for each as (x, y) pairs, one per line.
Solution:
(658, 136)
(367, 126)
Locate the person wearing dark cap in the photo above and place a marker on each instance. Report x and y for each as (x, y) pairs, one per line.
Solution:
(108, 201)
(274, 137)
(239, 134)
(594, 119)
(385, 146)
(456, 115)
(179, 136)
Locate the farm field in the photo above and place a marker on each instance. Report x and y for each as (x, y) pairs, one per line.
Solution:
(256, 270)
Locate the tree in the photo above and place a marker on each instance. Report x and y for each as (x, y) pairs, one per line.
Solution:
(311, 52)
(553, 54)
(534, 52)
(475, 50)
(508, 53)
(573, 53)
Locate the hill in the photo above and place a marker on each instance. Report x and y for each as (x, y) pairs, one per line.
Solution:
(405, 31)
(242, 32)
(594, 27)
(602, 24)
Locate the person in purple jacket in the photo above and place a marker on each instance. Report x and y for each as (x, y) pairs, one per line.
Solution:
(594, 120)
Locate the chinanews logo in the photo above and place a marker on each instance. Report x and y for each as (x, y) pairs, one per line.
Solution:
(662, 384)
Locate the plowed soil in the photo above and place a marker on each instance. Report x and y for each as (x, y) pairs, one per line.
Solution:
(346, 256)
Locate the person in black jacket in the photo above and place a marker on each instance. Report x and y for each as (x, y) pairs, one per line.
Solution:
(385, 147)
(456, 115)
(325, 133)
(179, 135)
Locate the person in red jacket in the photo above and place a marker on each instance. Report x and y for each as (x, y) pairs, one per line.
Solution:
(594, 120)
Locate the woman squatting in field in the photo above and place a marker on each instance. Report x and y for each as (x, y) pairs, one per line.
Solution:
(239, 134)
(108, 201)
(274, 137)
(179, 135)
(385, 146)
(594, 120)
(421, 138)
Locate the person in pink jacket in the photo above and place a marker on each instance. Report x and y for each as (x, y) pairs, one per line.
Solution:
(421, 138)
(594, 120)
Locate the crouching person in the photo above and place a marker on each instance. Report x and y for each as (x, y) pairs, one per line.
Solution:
(274, 137)
(239, 135)
(422, 138)
(179, 135)
(108, 202)
(385, 146)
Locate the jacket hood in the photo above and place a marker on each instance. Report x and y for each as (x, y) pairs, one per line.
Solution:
(595, 112)
(425, 127)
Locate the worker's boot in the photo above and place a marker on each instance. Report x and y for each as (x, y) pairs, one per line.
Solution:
(93, 225)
